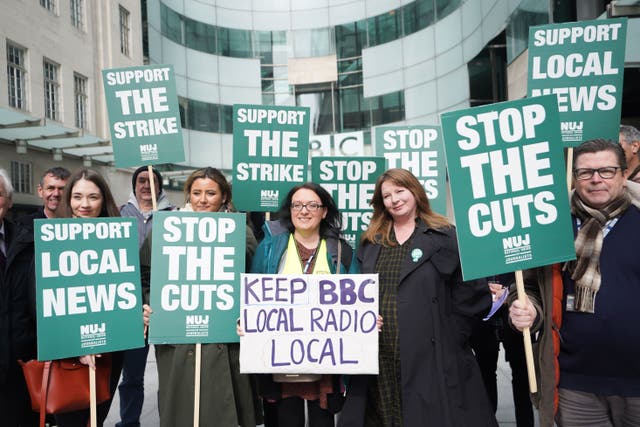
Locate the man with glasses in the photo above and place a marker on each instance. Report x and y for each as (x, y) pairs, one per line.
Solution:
(585, 312)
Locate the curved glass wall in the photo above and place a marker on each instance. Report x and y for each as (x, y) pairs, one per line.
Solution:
(341, 106)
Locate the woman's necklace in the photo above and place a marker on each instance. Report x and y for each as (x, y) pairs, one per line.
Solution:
(306, 256)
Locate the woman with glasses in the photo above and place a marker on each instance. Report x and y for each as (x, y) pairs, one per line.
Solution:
(304, 241)
(428, 375)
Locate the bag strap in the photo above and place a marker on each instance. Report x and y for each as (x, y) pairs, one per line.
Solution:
(43, 392)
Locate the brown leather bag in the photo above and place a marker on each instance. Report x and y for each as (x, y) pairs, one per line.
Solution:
(63, 385)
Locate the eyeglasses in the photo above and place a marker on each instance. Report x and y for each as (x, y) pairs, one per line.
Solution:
(311, 206)
(605, 173)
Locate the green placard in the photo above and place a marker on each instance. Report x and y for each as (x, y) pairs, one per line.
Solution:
(270, 154)
(508, 186)
(88, 295)
(143, 114)
(351, 182)
(582, 63)
(418, 149)
(197, 258)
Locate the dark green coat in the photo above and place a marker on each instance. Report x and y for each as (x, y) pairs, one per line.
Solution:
(227, 398)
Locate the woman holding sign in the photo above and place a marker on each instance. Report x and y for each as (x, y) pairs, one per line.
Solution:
(428, 374)
(227, 398)
(306, 240)
(87, 195)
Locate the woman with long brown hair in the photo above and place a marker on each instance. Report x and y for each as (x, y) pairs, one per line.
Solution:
(87, 195)
(427, 371)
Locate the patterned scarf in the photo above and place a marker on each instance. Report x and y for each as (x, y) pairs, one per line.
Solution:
(585, 270)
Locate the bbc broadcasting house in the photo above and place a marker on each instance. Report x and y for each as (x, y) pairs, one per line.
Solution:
(356, 64)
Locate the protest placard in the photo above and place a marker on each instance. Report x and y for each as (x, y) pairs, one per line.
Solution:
(197, 259)
(144, 116)
(418, 149)
(506, 170)
(582, 63)
(305, 324)
(88, 296)
(270, 154)
(351, 182)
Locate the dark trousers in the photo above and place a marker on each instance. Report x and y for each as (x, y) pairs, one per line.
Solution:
(485, 341)
(15, 403)
(131, 387)
(291, 413)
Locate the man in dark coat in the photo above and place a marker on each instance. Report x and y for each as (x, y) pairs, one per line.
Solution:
(17, 324)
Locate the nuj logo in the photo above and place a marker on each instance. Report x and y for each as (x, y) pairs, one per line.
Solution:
(269, 194)
(93, 328)
(571, 125)
(515, 241)
(149, 148)
(197, 319)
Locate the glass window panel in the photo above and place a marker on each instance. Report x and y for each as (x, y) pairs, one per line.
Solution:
(353, 114)
(125, 30)
(51, 90)
(529, 13)
(203, 116)
(267, 85)
(80, 98)
(392, 107)
(350, 39)
(268, 99)
(313, 42)
(383, 28)
(321, 109)
(227, 119)
(200, 36)
(77, 14)
(171, 25)
(350, 79)
(16, 77)
(445, 7)
(263, 44)
(234, 43)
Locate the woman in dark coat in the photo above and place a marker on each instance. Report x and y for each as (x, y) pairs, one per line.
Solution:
(428, 374)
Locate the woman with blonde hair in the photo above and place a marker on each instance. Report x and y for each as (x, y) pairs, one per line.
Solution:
(428, 374)
(227, 398)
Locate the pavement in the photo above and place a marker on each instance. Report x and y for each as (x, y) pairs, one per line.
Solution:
(149, 418)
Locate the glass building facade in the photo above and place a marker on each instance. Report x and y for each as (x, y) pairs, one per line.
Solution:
(397, 61)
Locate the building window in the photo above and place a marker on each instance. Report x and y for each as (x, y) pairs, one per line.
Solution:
(50, 5)
(16, 77)
(77, 14)
(125, 29)
(21, 177)
(488, 73)
(80, 96)
(51, 90)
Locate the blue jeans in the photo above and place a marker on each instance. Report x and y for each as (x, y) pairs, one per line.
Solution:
(131, 387)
